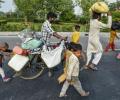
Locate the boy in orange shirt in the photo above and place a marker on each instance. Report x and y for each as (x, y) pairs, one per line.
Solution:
(113, 35)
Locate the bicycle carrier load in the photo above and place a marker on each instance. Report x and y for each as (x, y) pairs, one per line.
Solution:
(28, 39)
(18, 62)
(52, 57)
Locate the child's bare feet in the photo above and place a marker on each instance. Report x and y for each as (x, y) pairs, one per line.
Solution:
(62, 95)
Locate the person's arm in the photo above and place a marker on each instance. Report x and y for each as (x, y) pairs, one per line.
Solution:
(55, 34)
(109, 23)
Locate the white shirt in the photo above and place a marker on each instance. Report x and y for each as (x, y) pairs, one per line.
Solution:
(94, 44)
(95, 27)
(73, 67)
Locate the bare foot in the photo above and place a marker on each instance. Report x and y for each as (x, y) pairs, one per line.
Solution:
(62, 95)
(85, 94)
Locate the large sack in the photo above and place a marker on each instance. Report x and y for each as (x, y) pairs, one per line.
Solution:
(99, 7)
(32, 44)
(52, 57)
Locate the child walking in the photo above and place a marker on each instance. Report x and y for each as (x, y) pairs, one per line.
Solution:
(72, 71)
(111, 44)
(75, 38)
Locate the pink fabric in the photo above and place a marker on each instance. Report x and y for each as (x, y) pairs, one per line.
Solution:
(118, 56)
(19, 50)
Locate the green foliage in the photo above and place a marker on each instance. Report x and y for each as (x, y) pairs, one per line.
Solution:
(84, 20)
(30, 8)
(3, 22)
(15, 19)
(115, 5)
(67, 15)
(62, 27)
(116, 15)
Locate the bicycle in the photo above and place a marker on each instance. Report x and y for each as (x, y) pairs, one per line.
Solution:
(35, 67)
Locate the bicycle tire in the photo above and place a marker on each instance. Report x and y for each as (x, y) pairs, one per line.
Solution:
(31, 67)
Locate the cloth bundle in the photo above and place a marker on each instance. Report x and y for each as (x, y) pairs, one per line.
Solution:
(99, 7)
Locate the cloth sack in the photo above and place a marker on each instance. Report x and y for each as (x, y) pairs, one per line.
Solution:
(52, 57)
(19, 50)
(32, 44)
(99, 7)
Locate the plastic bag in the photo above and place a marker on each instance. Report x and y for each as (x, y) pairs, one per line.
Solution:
(99, 7)
(32, 44)
(26, 33)
(52, 57)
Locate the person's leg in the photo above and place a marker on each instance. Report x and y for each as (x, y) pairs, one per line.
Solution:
(97, 57)
(50, 72)
(64, 89)
(113, 46)
(107, 47)
(5, 79)
(89, 56)
(78, 87)
(2, 73)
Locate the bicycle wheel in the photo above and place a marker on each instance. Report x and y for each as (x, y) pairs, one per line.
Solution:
(33, 69)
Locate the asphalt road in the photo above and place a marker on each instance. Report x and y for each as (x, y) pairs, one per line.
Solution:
(102, 84)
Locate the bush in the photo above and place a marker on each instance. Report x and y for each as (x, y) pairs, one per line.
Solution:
(67, 15)
(15, 19)
(2, 22)
(84, 20)
(116, 15)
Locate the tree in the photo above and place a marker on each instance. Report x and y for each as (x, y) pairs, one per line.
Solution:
(114, 6)
(31, 8)
(1, 2)
(86, 4)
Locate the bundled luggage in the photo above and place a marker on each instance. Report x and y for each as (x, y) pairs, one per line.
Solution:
(99, 7)
(52, 57)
